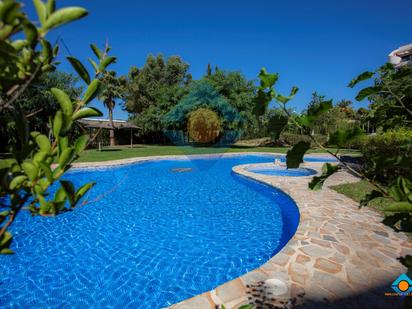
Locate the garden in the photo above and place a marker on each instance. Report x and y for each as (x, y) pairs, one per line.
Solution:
(190, 134)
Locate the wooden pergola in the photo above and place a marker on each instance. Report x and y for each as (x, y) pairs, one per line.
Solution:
(93, 123)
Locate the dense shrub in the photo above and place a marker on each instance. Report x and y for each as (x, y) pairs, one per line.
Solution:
(203, 126)
(394, 144)
(293, 138)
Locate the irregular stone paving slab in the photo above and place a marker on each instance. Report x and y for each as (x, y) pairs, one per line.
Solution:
(340, 256)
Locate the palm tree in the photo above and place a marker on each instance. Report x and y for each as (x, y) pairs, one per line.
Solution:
(112, 89)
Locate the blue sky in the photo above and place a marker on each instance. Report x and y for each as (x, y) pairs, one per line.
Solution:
(316, 45)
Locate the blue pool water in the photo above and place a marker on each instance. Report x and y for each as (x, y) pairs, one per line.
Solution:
(152, 238)
(282, 171)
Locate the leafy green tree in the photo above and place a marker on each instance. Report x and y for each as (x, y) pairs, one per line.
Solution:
(153, 90)
(340, 116)
(316, 100)
(39, 104)
(346, 106)
(390, 96)
(203, 96)
(240, 93)
(27, 175)
(365, 118)
(319, 126)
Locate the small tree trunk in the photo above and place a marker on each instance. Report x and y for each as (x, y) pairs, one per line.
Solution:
(112, 137)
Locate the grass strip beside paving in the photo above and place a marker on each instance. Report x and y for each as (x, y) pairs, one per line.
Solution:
(357, 192)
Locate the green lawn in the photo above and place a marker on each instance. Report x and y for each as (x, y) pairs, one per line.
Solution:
(358, 190)
(125, 152)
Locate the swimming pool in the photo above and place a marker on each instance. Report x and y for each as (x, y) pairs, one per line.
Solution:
(164, 231)
(283, 171)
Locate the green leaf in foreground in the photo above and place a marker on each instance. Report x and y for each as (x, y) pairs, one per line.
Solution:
(87, 112)
(366, 92)
(6, 251)
(41, 11)
(51, 6)
(3, 215)
(80, 69)
(30, 169)
(399, 207)
(92, 91)
(60, 195)
(94, 64)
(327, 170)
(57, 123)
(294, 156)
(361, 77)
(285, 99)
(66, 156)
(17, 182)
(276, 125)
(96, 51)
(69, 189)
(5, 241)
(374, 194)
(261, 102)
(106, 62)
(81, 143)
(341, 138)
(64, 16)
(83, 190)
(246, 307)
(43, 142)
(64, 100)
(267, 80)
(31, 33)
(401, 189)
(319, 109)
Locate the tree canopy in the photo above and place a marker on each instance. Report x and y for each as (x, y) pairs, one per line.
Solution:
(203, 95)
(154, 89)
(391, 97)
(239, 92)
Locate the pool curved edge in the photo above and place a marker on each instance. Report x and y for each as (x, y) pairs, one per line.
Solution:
(289, 210)
(319, 263)
(233, 294)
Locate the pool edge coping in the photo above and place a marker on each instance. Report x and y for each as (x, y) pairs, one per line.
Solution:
(121, 162)
(234, 293)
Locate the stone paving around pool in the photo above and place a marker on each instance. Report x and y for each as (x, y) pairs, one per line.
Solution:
(340, 257)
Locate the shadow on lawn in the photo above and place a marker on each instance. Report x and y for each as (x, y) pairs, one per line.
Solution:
(109, 150)
(373, 298)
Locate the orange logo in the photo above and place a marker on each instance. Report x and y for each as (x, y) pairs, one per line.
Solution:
(402, 285)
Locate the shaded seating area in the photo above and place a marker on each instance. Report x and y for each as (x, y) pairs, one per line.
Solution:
(123, 131)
